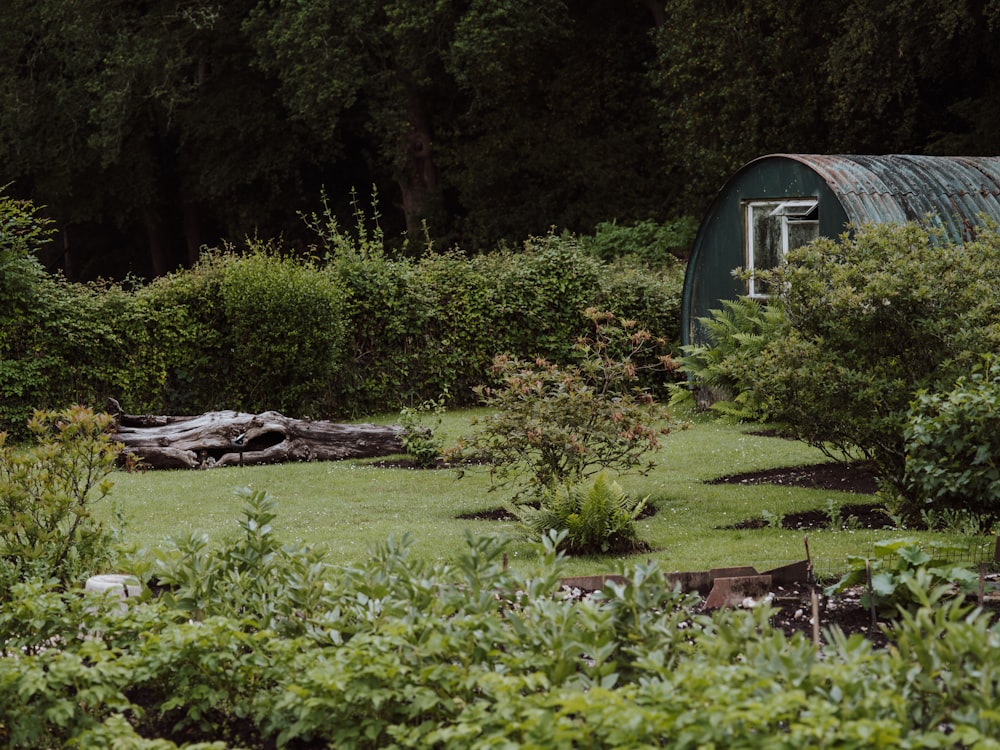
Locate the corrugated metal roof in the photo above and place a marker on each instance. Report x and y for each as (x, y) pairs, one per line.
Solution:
(900, 188)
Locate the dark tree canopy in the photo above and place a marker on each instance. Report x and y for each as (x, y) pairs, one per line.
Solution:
(150, 129)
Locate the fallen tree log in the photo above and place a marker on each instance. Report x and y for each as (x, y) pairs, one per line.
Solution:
(230, 438)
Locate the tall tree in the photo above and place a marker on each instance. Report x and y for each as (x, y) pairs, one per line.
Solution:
(741, 79)
(557, 125)
(492, 119)
(738, 80)
(368, 69)
(142, 116)
(904, 74)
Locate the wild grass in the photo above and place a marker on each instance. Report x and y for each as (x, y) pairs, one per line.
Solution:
(349, 507)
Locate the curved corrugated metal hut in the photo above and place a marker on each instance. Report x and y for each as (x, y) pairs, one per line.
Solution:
(785, 200)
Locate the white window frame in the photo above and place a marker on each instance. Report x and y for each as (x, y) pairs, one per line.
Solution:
(792, 211)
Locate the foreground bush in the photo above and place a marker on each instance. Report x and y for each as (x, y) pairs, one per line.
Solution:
(471, 655)
(48, 530)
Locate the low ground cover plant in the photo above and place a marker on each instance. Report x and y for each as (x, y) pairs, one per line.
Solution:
(901, 572)
(597, 516)
(472, 654)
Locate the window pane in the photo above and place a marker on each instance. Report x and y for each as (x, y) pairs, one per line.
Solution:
(802, 233)
(772, 229)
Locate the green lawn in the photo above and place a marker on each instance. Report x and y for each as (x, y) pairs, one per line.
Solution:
(350, 506)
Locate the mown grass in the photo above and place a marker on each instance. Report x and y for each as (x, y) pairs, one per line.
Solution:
(350, 507)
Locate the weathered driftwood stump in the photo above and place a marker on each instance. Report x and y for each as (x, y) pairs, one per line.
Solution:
(229, 438)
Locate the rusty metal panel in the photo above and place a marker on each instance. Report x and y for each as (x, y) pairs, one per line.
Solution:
(955, 191)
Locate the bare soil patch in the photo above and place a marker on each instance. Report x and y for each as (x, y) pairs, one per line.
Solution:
(840, 477)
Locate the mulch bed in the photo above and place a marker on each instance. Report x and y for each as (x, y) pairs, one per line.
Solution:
(840, 477)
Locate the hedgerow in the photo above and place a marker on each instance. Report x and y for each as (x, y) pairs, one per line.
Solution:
(350, 330)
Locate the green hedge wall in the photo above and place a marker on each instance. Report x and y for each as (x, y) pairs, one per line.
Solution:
(352, 335)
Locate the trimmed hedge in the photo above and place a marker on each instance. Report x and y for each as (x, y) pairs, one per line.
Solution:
(352, 335)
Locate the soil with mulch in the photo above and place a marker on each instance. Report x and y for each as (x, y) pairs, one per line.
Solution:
(794, 602)
(841, 477)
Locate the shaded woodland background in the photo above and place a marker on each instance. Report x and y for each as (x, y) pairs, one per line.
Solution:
(151, 129)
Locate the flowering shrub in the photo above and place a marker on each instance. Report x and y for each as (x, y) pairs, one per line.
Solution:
(558, 424)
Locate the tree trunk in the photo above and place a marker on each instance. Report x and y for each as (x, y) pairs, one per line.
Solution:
(418, 179)
(159, 251)
(230, 438)
(658, 11)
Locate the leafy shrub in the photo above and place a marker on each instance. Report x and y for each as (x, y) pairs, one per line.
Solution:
(23, 232)
(193, 336)
(653, 300)
(418, 328)
(556, 424)
(902, 574)
(47, 498)
(63, 343)
(953, 445)
(253, 578)
(363, 331)
(254, 332)
(598, 517)
(651, 242)
(540, 293)
(79, 343)
(869, 320)
(285, 322)
(419, 440)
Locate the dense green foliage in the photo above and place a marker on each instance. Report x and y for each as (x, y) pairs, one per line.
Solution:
(253, 643)
(596, 517)
(649, 241)
(153, 129)
(552, 424)
(356, 331)
(469, 655)
(48, 530)
(901, 572)
(953, 445)
(862, 324)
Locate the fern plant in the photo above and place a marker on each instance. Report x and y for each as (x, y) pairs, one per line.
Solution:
(598, 517)
(737, 335)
